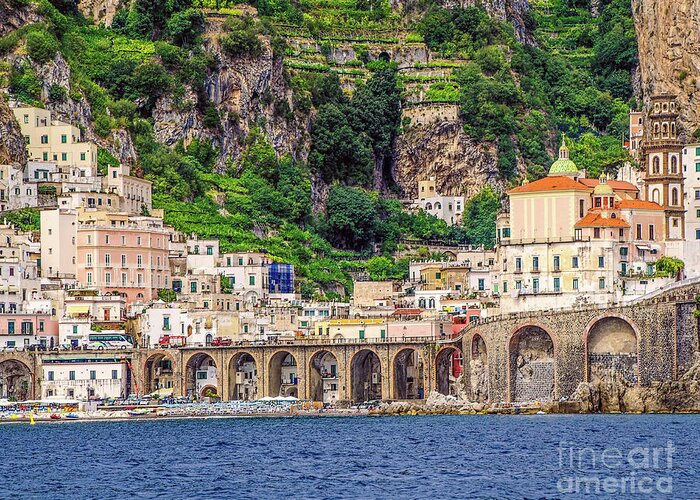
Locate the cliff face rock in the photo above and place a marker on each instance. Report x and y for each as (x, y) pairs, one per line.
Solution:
(15, 16)
(460, 165)
(101, 10)
(247, 92)
(668, 35)
(12, 146)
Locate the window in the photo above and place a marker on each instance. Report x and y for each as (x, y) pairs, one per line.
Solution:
(518, 265)
(45, 157)
(138, 240)
(64, 139)
(11, 327)
(574, 284)
(114, 374)
(574, 262)
(639, 231)
(697, 166)
(535, 264)
(139, 279)
(193, 287)
(93, 375)
(108, 259)
(89, 278)
(536, 285)
(581, 206)
(556, 263)
(64, 156)
(251, 280)
(578, 234)
(26, 118)
(518, 284)
(674, 196)
(505, 287)
(139, 261)
(44, 139)
(597, 202)
(50, 375)
(82, 156)
(75, 329)
(656, 165)
(557, 284)
(123, 260)
(210, 251)
(596, 232)
(362, 334)
(601, 283)
(123, 279)
(482, 284)
(71, 375)
(108, 279)
(697, 234)
(123, 240)
(41, 326)
(601, 261)
(651, 232)
(624, 251)
(506, 232)
(166, 322)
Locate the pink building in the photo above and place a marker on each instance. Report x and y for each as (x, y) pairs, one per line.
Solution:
(127, 255)
(25, 329)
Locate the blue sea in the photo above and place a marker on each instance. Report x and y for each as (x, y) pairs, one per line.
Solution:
(543, 456)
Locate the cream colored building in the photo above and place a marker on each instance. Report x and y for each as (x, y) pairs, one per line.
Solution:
(58, 245)
(373, 294)
(55, 141)
(569, 240)
(447, 208)
(134, 192)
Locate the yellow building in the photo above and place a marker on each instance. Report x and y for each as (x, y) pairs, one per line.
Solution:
(55, 141)
(352, 328)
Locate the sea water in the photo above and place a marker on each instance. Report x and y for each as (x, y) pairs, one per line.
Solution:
(537, 456)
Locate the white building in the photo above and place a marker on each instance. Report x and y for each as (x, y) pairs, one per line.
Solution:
(58, 245)
(447, 208)
(83, 379)
(691, 173)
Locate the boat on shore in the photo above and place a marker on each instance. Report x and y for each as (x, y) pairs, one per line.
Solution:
(72, 416)
(55, 416)
(138, 413)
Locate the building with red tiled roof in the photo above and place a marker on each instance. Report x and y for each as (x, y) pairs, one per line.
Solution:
(569, 239)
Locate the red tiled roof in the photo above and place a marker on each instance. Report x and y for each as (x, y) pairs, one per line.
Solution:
(407, 312)
(639, 205)
(554, 183)
(616, 185)
(595, 219)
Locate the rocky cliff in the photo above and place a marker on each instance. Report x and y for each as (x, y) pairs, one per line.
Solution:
(12, 146)
(668, 34)
(460, 165)
(100, 10)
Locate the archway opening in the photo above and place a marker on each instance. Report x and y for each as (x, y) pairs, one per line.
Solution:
(448, 370)
(323, 377)
(15, 381)
(612, 352)
(384, 56)
(531, 365)
(479, 373)
(243, 377)
(408, 375)
(201, 373)
(366, 372)
(283, 374)
(159, 375)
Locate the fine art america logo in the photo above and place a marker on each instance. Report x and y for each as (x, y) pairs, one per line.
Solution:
(635, 471)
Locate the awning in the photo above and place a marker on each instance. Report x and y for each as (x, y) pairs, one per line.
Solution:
(13, 289)
(3, 288)
(74, 309)
(643, 247)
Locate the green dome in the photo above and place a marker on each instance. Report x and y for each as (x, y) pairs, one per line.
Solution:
(563, 166)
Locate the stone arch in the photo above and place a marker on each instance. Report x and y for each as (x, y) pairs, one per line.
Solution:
(448, 370)
(323, 377)
(243, 377)
(282, 374)
(664, 130)
(158, 373)
(655, 196)
(16, 380)
(200, 371)
(612, 350)
(438, 205)
(428, 206)
(531, 365)
(656, 165)
(674, 196)
(674, 164)
(366, 376)
(479, 369)
(409, 374)
(384, 56)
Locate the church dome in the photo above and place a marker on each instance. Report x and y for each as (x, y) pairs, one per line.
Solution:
(563, 166)
(603, 188)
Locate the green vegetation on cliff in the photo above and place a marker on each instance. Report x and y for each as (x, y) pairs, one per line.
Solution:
(576, 80)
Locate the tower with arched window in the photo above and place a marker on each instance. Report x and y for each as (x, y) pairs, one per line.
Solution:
(662, 162)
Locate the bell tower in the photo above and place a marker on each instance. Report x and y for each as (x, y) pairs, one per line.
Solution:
(662, 161)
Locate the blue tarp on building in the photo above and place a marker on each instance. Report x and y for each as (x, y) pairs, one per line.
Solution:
(281, 278)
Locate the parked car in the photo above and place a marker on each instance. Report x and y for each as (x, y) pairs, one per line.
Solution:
(167, 341)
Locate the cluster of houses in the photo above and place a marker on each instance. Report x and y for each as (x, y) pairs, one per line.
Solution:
(104, 271)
